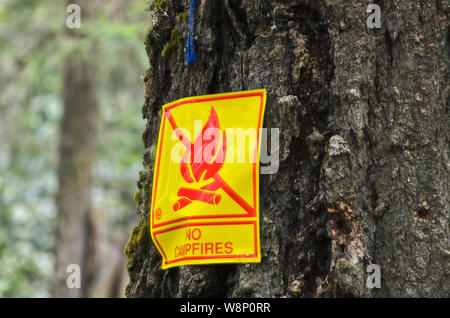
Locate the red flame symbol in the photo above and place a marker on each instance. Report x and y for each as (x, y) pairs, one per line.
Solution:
(207, 156)
(203, 148)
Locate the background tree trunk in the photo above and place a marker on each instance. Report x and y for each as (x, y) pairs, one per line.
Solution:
(78, 132)
(364, 138)
(77, 139)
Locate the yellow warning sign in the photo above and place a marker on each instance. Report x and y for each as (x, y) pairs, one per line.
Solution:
(205, 196)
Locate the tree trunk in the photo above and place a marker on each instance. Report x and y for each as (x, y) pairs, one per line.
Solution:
(73, 243)
(364, 144)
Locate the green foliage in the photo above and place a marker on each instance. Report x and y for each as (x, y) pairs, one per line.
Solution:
(35, 47)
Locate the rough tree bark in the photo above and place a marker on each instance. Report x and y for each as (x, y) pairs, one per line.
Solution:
(364, 122)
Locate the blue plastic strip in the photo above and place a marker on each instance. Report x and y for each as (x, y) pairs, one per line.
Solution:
(190, 40)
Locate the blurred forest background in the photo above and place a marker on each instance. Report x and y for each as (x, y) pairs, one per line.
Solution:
(55, 83)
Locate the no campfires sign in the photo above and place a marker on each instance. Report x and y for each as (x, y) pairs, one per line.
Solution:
(205, 196)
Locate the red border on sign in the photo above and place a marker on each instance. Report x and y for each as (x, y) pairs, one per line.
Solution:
(194, 217)
(191, 258)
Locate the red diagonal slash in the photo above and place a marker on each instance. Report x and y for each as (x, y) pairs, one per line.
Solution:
(218, 180)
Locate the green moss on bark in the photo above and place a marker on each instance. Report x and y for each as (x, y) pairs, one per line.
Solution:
(183, 16)
(157, 4)
(175, 37)
(139, 237)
